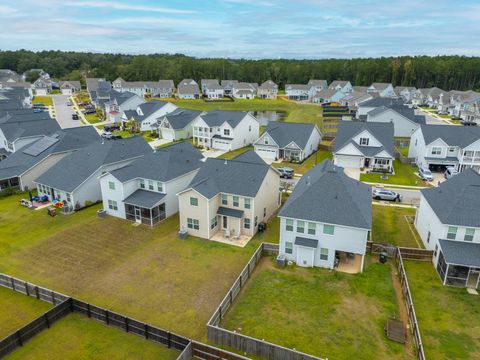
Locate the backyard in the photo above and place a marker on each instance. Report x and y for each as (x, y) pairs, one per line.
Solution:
(404, 175)
(78, 337)
(448, 317)
(320, 312)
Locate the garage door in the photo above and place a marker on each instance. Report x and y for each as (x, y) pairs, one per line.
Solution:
(221, 145)
(348, 161)
(266, 153)
(168, 134)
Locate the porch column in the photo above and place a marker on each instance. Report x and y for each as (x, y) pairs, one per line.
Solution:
(446, 274)
(239, 226)
(363, 258)
(151, 220)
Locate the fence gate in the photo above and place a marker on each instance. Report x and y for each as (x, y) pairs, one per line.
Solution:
(379, 248)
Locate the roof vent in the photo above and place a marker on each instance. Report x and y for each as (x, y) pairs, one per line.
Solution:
(226, 162)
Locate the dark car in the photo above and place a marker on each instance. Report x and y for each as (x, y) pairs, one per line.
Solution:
(89, 111)
(74, 116)
(286, 172)
(111, 127)
(469, 123)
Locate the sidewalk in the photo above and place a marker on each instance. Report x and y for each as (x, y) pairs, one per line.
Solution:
(406, 187)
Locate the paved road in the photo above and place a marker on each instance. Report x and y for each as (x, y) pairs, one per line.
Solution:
(64, 112)
(430, 119)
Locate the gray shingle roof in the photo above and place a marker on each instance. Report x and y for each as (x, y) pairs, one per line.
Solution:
(188, 89)
(461, 252)
(453, 135)
(147, 108)
(18, 125)
(75, 168)
(230, 212)
(180, 118)
(456, 201)
(284, 133)
(325, 194)
(218, 117)
(144, 198)
(379, 101)
(120, 97)
(405, 111)
(313, 243)
(383, 132)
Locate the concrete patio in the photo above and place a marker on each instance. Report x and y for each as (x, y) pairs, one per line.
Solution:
(241, 241)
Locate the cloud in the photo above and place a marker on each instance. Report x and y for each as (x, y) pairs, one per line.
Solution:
(115, 5)
(6, 10)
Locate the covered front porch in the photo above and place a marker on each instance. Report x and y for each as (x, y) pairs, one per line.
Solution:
(13, 182)
(230, 223)
(145, 207)
(290, 154)
(378, 164)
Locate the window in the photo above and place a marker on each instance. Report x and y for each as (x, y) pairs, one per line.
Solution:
(436, 150)
(436, 249)
(112, 205)
(193, 224)
(246, 223)
(382, 161)
(159, 186)
(264, 212)
(142, 183)
(213, 223)
(451, 149)
(256, 221)
(69, 197)
(364, 141)
(224, 199)
(193, 201)
(452, 232)
(150, 185)
(289, 225)
(428, 237)
(311, 228)
(328, 229)
(288, 247)
(265, 140)
(469, 233)
(246, 203)
(300, 226)
(236, 201)
(249, 128)
(416, 142)
(111, 185)
(226, 132)
(324, 254)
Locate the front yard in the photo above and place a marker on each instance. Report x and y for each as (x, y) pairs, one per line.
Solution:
(404, 175)
(320, 312)
(45, 100)
(309, 163)
(234, 153)
(78, 337)
(448, 317)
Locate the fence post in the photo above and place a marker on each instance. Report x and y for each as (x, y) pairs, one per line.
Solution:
(26, 289)
(53, 298)
(146, 331)
(169, 340)
(89, 314)
(13, 283)
(126, 324)
(106, 317)
(19, 337)
(36, 292)
(47, 321)
(230, 295)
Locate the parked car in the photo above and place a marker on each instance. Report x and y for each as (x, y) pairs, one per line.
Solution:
(286, 172)
(385, 194)
(425, 174)
(89, 111)
(106, 135)
(450, 172)
(115, 137)
(37, 110)
(469, 123)
(74, 116)
(39, 105)
(112, 127)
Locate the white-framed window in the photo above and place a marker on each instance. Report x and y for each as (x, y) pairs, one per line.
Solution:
(311, 228)
(213, 222)
(69, 197)
(289, 224)
(364, 141)
(142, 183)
(328, 229)
(300, 226)
(266, 140)
(324, 254)
(246, 223)
(193, 201)
(436, 150)
(288, 247)
(193, 224)
(150, 185)
(111, 185)
(382, 161)
(236, 201)
(226, 132)
(224, 199)
(246, 203)
(451, 149)
(159, 186)
(469, 234)
(112, 205)
(452, 232)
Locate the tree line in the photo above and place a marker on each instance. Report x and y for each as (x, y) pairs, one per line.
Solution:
(446, 72)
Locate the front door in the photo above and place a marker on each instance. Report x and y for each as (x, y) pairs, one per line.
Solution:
(473, 277)
(138, 215)
(224, 222)
(367, 162)
(305, 256)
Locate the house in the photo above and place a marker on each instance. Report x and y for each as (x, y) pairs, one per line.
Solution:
(22, 167)
(467, 106)
(228, 86)
(425, 97)
(147, 115)
(161, 88)
(355, 98)
(328, 96)
(119, 102)
(42, 86)
(7, 75)
(228, 199)
(374, 103)
(326, 219)
(360, 89)
(267, 90)
(318, 84)
(79, 183)
(188, 89)
(367, 145)
(225, 130)
(177, 125)
(384, 90)
(69, 87)
(211, 89)
(165, 89)
(438, 146)
(145, 191)
(405, 92)
(403, 118)
(20, 93)
(300, 92)
(343, 86)
(448, 223)
(288, 141)
(243, 90)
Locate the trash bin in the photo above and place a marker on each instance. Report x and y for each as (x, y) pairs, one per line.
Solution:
(382, 257)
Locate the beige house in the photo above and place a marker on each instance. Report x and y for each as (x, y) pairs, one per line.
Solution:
(228, 199)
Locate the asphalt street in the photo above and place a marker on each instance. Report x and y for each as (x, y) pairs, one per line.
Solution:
(64, 112)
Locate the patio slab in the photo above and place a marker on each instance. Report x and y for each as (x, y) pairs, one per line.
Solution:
(241, 241)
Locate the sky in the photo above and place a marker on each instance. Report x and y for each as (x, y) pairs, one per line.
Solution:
(297, 29)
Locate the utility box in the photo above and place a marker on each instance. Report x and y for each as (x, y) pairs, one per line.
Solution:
(281, 261)
(182, 234)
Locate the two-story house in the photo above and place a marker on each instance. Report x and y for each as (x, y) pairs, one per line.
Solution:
(288, 141)
(225, 130)
(243, 90)
(147, 115)
(69, 87)
(145, 191)
(228, 199)
(438, 146)
(177, 125)
(161, 88)
(211, 89)
(188, 89)
(366, 106)
(300, 92)
(43, 86)
(384, 90)
(318, 84)
(342, 85)
(228, 86)
(328, 96)
(404, 92)
(267, 90)
(448, 222)
(365, 145)
(119, 102)
(327, 219)
(403, 118)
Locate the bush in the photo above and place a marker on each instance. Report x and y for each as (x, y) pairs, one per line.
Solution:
(9, 192)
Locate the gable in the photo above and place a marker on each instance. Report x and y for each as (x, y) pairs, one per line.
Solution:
(349, 149)
(474, 146)
(260, 140)
(373, 141)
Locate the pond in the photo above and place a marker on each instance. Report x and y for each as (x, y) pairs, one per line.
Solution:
(264, 117)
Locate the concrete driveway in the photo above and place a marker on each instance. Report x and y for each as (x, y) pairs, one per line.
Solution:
(353, 173)
(213, 153)
(158, 142)
(64, 112)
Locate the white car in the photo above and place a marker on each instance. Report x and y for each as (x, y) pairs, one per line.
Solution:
(450, 172)
(107, 134)
(425, 174)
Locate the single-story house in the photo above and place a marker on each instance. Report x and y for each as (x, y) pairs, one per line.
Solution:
(177, 125)
(70, 87)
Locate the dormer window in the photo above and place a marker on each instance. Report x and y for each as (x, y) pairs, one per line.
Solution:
(226, 132)
(265, 140)
(364, 141)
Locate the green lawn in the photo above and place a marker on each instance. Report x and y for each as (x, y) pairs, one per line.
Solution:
(448, 317)
(403, 151)
(78, 337)
(148, 274)
(404, 175)
(93, 118)
(17, 310)
(234, 153)
(46, 100)
(312, 160)
(390, 226)
(321, 312)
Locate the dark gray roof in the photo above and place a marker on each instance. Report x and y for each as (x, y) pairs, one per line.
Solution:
(120, 97)
(379, 101)
(325, 194)
(461, 252)
(80, 165)
(239, 176)
(218, 117)
(313, 243)
(164, 164)
(383, 132)
(192, 89)
(453, 135)
(15, 126)
(250, 157)
(456, 201)
(230, 212)
(180, 118)
(147, 108)
(144, 198)
(283, 133)
(405, 111)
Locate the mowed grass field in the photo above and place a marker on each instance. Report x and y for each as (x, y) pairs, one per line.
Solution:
(17, 310)
(145, 273)
(448, 317)
(78, 337)
(320, 312)
(404, 175)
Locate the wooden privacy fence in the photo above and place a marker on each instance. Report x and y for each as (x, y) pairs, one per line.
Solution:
(377, 248)
(416, 254)
(242, 342)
